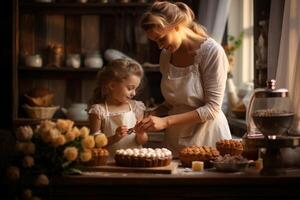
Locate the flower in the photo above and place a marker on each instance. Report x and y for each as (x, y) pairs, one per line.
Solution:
(42, 180)
(233, 44)
(71, 153)
(101, 140)
(24, 133)
(51, 148)
(13, 173)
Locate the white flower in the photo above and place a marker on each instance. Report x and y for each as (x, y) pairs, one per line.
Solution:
(41, 180)
(13, 173)
(27, 194)
(24, 133)
(29, 148)
(28, 161)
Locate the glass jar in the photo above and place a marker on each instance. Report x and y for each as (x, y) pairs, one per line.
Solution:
(73, 60)
(270, 111)
(93, 60)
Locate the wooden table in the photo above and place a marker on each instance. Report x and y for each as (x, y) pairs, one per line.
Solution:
(208, 184)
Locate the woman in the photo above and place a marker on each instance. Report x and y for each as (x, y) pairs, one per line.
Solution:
(194, 73)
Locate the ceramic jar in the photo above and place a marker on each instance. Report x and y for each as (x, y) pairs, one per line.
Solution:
(77, 112)
(73, 60)
(33, 61)
(93, 60)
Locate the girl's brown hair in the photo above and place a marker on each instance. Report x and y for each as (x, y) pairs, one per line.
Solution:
(117, 70)
(163, 14)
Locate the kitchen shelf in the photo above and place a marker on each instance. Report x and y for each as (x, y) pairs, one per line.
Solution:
(77, 28)
(57, 73)
(65, 72)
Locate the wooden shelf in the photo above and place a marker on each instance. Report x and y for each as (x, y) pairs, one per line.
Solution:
(77, 27)
(57, 73)
(65, 72)
(83, 8)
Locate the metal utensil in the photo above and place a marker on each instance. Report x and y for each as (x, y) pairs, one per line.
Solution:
(131, 130)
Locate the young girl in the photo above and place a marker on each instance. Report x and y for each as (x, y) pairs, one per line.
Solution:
(113, 111)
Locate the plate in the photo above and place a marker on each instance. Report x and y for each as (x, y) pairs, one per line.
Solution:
(230, 167)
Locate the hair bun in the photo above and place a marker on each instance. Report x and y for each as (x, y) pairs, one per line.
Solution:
(187, 10)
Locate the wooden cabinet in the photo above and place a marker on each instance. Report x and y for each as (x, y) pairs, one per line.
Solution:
(78, 28)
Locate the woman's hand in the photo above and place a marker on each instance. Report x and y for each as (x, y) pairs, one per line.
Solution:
(152, 123)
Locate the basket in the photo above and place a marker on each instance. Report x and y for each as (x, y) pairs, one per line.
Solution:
(40, 112)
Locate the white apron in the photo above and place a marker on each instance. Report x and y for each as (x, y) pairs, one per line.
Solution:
(112, 121)
(185, 94)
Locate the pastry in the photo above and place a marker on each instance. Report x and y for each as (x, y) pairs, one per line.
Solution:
(232, 147)
(198, 153)
(144, 157)
(99, 157)
(40, 96)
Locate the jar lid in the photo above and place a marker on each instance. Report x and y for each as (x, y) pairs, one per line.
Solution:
(271, 91)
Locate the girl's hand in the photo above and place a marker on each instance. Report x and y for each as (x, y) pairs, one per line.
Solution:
(152, 123)
(121, 132)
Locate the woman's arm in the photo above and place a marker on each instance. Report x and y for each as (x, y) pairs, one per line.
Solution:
(214, 75)
(141, 136)
(161, 110)
(153, 123)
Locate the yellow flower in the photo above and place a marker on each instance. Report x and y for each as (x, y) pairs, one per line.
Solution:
(59, 141)
(64, 125)
(85, 155)
(28, 161)
(45, 126)
(50, 135)
(84, 131)
(88, 142)
(41, 180)
(70, 136)
(76, 131)
(101, 140)
(71, 153)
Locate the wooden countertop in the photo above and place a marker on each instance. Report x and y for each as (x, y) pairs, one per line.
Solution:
(205, 177)
(184, 184)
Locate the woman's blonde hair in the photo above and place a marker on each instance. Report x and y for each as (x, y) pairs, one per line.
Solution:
(163, 14)
(117, 70)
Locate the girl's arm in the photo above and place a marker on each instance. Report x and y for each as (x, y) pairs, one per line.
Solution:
(95, 123)
(121, 132)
